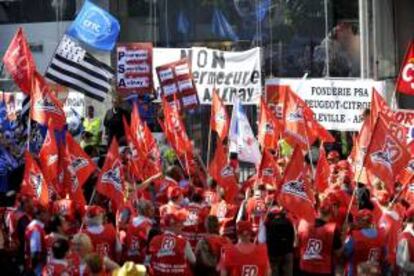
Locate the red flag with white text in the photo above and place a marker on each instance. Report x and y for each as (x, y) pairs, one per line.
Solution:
(269, 128)
(405, 81)
(322, 172)
(295, 191)
(268, 170)
(45, 107)
(111, 179)
(49, 157)
(34, 183)
(386, 155)
(219, 120)
(221, 171)
(19, 62)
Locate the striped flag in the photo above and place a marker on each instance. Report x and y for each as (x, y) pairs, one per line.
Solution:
(74, 67)
(25, 107)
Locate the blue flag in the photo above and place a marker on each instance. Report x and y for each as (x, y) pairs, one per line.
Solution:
(96, 27)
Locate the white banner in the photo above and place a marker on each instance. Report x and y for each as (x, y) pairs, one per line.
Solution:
(337, 104)
(231, 73)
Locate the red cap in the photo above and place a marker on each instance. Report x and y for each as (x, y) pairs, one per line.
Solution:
(342, 165)
(409, 213)
(244, 226)
(94, 211)
(174, 218)
(174, 192)
(383, 197)
(364, 214)
(332, 154)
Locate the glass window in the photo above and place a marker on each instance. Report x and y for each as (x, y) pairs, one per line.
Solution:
(31, 11)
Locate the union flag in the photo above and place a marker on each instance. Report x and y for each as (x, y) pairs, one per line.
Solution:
(49, 157)
(111, 179)
(386, 155)
(322, 172)
(34, 183)
(405, 81)
(219, 120)
(268, 170)
(269, 128)
(45, 107)
(19, 62)
(221, 171)
(295, 192)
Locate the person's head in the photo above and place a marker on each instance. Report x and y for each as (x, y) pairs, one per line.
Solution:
(130, 269)
(58, 224)
(366, 114)
(123, 218)
(82, 244)
(260, 191)
(244, 231)
(212, 224)
(211, 183)
(60, 248)
(94, 215)
(364, 219)
(91, 111)
(173, 221)
(175, 194)
(197, 196)
(333, 157)
(40, 212)
(25, 204)
(95, 264)
(145, 208)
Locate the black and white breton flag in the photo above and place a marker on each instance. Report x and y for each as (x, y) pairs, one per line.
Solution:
(25, 106)
(74, 67)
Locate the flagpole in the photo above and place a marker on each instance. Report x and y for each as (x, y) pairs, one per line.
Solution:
(359, 175)
(208, 146)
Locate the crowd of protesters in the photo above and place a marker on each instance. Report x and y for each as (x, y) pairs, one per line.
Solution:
(180, 224)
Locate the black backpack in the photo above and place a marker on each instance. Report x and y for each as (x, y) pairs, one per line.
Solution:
(280, 235)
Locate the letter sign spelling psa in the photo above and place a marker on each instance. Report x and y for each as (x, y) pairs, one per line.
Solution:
(134, 68)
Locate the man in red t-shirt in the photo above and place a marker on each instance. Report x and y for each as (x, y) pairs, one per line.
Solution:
(57, 264)
(405, 248)
(245, 257)
(169, 253)
(103, 236)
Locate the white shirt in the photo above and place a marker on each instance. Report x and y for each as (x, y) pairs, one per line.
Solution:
(35, 238)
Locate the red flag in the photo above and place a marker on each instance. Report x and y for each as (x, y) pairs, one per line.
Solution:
(111, 179)
(379, 105)
(45, 107)
(34, 184)
(49, 157)
(405, 81)
(146, 145)
(407, 174)
(175, 131)
(79, 165)
(268, 171)
(296, 116)
(295, 192)
(269, 128)
(19, 61)
(219, 120)
(137, 158)
(386, 155)
(221, 171)
(322, 172)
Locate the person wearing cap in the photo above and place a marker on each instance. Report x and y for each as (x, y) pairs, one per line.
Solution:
(365, 248)
(193, 228)
(57, 227)
(209, 248)
(278, 233)
(175, 198)
(391, 223)
(319, 243)
(35, 245)
(137, 233)
(169, 253)
(103, 236)
(405, 247)
(245, 257)
(57, 263)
